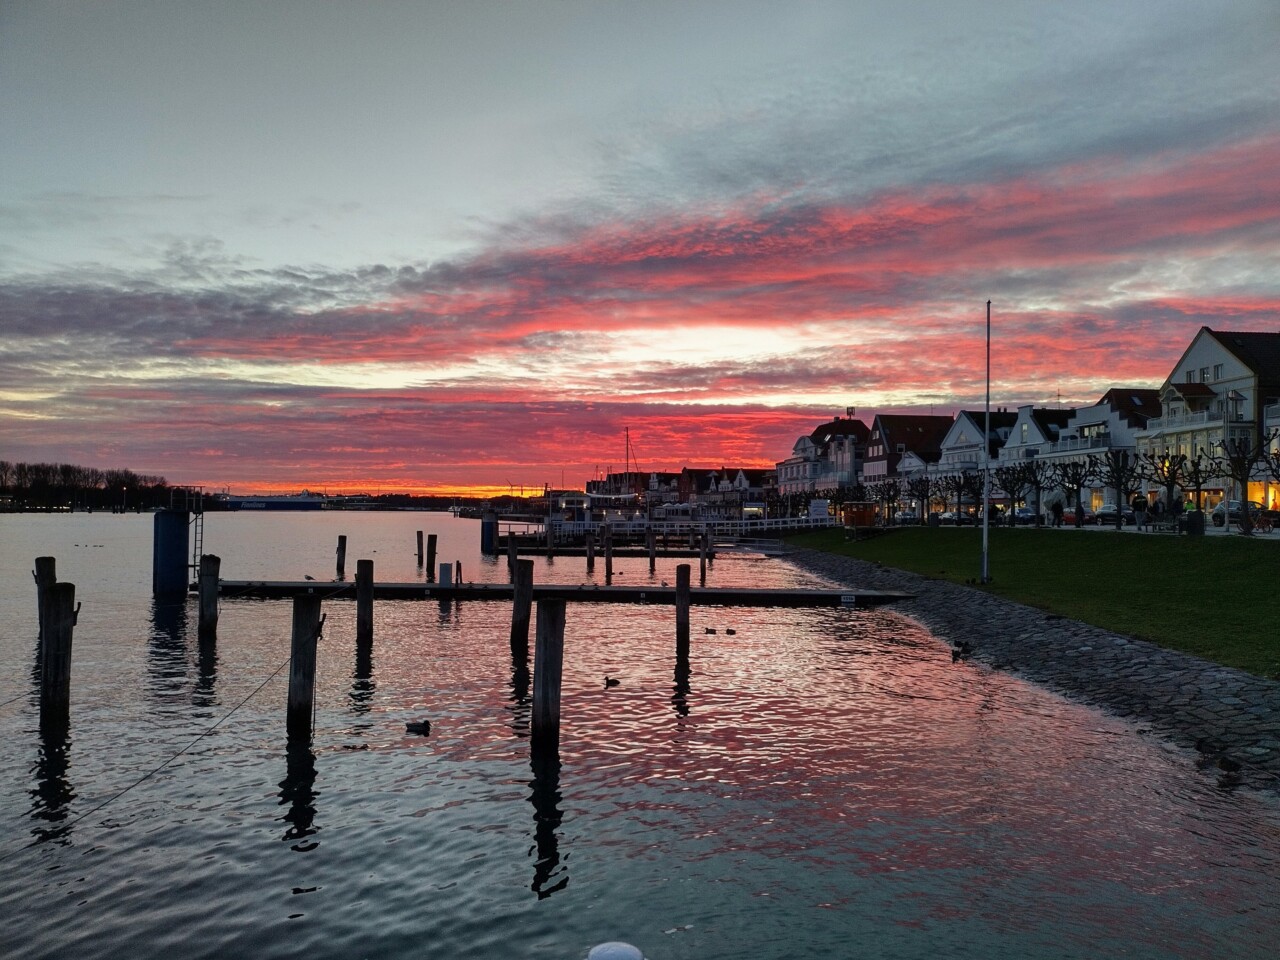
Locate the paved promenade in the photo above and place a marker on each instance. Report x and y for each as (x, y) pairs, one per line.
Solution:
(1231, 717)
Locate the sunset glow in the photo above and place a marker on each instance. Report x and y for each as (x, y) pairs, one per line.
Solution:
(710, 269)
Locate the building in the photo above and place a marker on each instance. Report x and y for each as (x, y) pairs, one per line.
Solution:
(1225, 388)
(828, 458)
(897, 435)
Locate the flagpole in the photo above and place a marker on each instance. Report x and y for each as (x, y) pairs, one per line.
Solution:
(986, 462)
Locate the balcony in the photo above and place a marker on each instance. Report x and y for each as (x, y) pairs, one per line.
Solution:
(1185, 421)
(1078, 444)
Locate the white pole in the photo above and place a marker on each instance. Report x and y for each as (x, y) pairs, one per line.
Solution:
(986, 461)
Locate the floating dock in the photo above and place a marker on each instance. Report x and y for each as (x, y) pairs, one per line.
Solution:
(571, 593)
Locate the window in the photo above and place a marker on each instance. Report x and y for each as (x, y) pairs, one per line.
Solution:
(1191, 376)
(1025, 431)
(1204, 374)
(1217, 371)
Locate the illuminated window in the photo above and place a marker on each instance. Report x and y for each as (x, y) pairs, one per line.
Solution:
(1204, 374)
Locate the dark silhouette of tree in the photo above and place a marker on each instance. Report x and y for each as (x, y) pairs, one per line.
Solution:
(886, 493)
(1122, 472)
(1072, 476)
(1238, 461)
(922, 488)
(1199, 470)
(950, 486)
(1169, 470)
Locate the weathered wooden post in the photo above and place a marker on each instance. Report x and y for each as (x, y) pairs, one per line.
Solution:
(702, 558)
(682, 612)
(651, 540)
(342, 556)
(302, 666)
(364, 603)
(608, 553)
(431, 556)
(55, 658)
(591, 551)
(548, 665)
(210, 567)
(521, 608)
(46, 575)
(457, 573)
(419, 549)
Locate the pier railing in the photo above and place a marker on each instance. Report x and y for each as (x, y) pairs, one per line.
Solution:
(565, 529)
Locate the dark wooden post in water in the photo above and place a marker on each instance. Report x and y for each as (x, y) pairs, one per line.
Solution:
(210, 567)
(521, 609)
(651, 540)
(608, 553)
(302, 666)
(457, 573)
(682, 612)
(548, 664)
(591, 551)
(55, 658)
(419, 549)
(46, 576)
(364, 603)
(342, 556)
(702, 558)
(431, 556)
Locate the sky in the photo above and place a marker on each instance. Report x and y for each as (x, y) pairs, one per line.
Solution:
(449, 247)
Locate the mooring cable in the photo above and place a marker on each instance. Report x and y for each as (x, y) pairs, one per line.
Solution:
(63, 828)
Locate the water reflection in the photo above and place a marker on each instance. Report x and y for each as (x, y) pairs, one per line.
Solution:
(167, 651)
(680, 698)
(297, 790)
(363, 685)
(549, 874)
(53, 792)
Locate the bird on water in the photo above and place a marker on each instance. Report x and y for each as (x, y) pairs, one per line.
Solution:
(422, 727)
(611, 681)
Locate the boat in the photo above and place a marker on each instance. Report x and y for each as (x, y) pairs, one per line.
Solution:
(286, 501)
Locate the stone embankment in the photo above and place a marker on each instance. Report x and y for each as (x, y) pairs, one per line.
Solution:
(1231, 717)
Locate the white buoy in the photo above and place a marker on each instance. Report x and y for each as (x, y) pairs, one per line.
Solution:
(614, 950)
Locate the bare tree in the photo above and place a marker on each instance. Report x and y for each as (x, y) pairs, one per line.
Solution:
(922, 488)
(1169, 470)
(1071, 476)
(1199, 470)
(1238, 462)
(1121, 471)
(886, 493)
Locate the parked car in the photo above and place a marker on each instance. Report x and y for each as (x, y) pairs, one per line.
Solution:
(1024, 516)
(905, 518)
(1233, 506)
(1106, 515)
(954, 518)
(1086, 516)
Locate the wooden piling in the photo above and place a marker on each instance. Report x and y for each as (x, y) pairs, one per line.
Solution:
(457, 572)
(210, 566)
(548, 664)
(342, 556)
(521, 608)
(651, 540)
(419, 549)
(591, 552)
(364, 603)
(702, 558)
(431, 556)
(46, 575)
(682, 611)
(302, 666)
(608, 553)
(55, 658)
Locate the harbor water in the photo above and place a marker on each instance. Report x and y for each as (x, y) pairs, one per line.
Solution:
(824, 783)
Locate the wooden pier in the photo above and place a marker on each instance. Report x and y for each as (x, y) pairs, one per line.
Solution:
(570, 593)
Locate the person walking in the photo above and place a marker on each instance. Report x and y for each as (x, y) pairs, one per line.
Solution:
(1140, 510)
(1057, 513)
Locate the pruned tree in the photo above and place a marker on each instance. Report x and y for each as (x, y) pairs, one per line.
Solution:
(886, 493)
(1072, 476)
(922, 488)
(950, 486)
(973, 486)
(1121, 471)
(1199, 470)
(1238, 461)
(1012, 479)
(1168, 470)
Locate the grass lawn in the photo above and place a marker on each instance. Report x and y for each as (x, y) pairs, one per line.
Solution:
(1215, 597)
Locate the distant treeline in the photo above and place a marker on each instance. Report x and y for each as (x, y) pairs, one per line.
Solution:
(65, 486)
